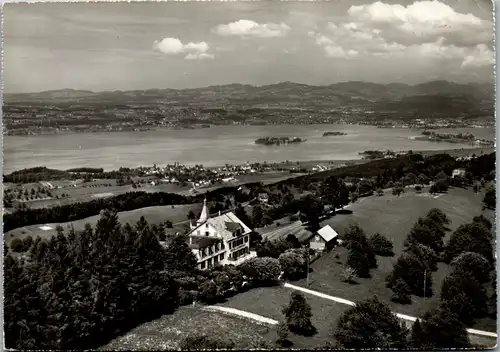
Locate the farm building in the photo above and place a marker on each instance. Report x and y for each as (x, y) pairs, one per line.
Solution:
(326, 237)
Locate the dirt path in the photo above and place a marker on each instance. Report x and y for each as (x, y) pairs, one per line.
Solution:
(242, 313)
(400, 316)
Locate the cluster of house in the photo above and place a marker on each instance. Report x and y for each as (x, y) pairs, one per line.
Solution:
(225, 239)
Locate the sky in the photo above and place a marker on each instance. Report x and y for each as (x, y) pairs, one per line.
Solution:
(125, 46)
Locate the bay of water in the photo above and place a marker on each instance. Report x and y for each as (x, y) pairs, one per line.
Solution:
(217, 145)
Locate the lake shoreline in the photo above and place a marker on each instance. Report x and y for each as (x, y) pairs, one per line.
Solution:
(336, 163)
(210, 147)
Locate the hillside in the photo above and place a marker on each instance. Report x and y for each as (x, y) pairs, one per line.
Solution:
(282, 103)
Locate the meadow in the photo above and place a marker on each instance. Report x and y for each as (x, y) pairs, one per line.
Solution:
(167, 332)
(393, 217)
(153, 215)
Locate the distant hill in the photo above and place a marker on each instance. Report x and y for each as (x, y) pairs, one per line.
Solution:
(242, 102)
(281, 91)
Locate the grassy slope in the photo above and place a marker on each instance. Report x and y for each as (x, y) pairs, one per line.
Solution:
(269, 301)
(167, 331)
(153, 215)
(394, 217)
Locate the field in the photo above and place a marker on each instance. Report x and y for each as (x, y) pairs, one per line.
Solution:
(167, 331)
(269, 301)
(153, 215)
(393, 217)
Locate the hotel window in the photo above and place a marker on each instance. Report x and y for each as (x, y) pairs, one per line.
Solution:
(246, 239)
(221, 257)
(206, 233)
(210, 250)
(202, 265)
(222, 245)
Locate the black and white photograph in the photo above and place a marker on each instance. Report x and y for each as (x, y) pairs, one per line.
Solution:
(235, 175)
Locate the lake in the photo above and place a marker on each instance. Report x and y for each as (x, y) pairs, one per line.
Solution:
(213, 146)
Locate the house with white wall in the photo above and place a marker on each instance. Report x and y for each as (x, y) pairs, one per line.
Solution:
(219, 240)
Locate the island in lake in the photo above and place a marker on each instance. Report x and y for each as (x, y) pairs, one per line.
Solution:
(452, 138)
(326, 134)
(377, 154)
(279, 140)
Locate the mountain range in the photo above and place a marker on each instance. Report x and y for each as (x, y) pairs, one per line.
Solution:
(441, 98)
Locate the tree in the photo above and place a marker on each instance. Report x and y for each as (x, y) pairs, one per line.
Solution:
(370, 324)
(312, 208)
(349, 275)
(208, 292)
(438, 216)
(242, 215)
(402, 292)
(397, 189)
(481, 219)
(490, 198)
(263, 271)
(439, 329)
(298, 315)
(413, 272)
(257, 216)
(294, 241)
(440, 186)
(422, 179)
(357, 259)
(17, 245)
(355, 234)
(425, 254)
(191, 215)
(178, 255)
(473, 263)
(469, 238)
(282, 335)
(168, 224)
(427, 233)
(255, 239)
(293, 263)
(203, 342)
(463, 295)
(381, 245)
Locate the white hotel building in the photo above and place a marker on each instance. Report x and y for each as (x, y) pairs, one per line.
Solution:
(220, 240)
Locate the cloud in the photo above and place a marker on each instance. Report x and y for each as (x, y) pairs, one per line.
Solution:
(422, 22)
(428, 30)
(482, 56)
(338, 52)
(193, 51)
(202, 56)
(248, 28)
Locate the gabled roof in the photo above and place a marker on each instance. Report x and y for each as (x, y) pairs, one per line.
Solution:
(232, 226)
(327, 233)
(219, 224)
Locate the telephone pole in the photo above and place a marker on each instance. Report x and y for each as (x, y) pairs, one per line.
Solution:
(425, 282)
(308, 257)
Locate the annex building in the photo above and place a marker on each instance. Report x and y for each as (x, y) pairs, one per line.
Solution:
(219, 240)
